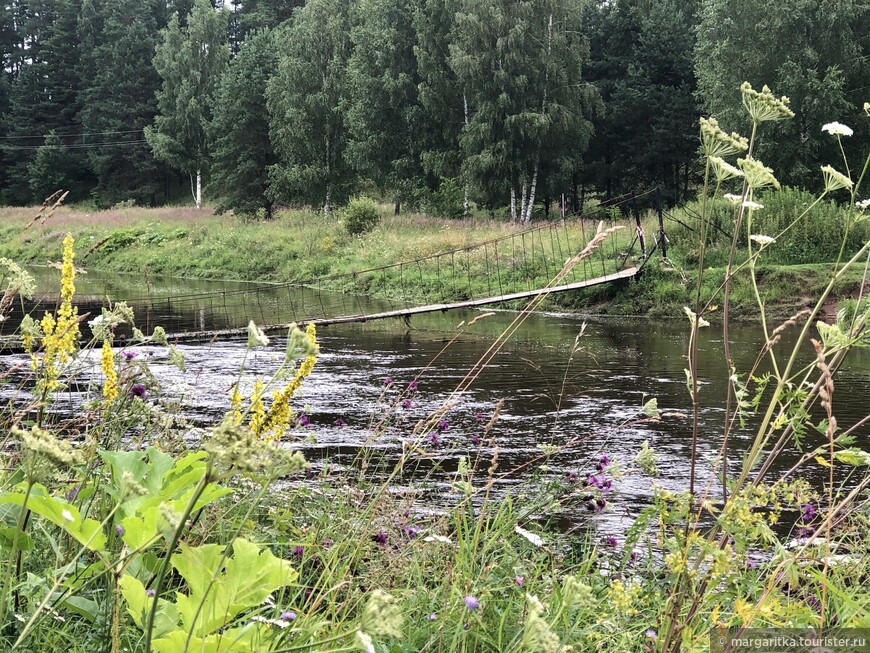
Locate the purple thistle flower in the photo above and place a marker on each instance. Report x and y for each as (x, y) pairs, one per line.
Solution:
(380, 538)
(478, 417)
(119, 529)
(298, 551)
(388, 380)
(138, 391)
(633, 557)
(599, 504)
(288, 616)
(471, 602)
(572, 477)
(304, 421)
(412, 386)
(751, 564)
(475, 439)
(442, 425)
(340, 422)
(150, 592)
(808, 511)
(411, 532)
(407, 404)
(130, 355)
(610, 541)
(435, 439)
(72, 494)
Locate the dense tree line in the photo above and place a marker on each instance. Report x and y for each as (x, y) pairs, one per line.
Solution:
(429, 103)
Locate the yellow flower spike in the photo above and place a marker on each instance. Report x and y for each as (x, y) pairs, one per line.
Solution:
(236, 404)
(258, 410)
(110, 386)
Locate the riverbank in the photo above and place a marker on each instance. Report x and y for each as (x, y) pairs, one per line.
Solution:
(298, 245)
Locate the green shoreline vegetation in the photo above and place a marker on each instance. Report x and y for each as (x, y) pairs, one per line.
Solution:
(302, 245)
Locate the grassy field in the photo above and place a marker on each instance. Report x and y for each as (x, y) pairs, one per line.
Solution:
(298, 245)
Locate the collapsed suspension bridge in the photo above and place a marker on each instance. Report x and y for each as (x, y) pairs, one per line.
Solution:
(541, 260)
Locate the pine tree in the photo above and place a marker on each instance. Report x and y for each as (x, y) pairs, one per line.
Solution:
(190, 61)
(307, 100)
(53, 168)
(239, 140)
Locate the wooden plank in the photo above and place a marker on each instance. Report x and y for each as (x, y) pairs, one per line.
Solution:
(416, 310)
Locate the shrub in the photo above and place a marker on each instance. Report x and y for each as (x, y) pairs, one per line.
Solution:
(361, 215)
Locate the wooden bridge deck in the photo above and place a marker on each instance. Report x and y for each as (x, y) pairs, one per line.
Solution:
(414, 310)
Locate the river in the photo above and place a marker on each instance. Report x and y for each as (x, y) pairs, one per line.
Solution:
(591, 399)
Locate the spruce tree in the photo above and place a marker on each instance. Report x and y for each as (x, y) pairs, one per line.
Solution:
(118, 40)
(190, 61)
(240, 147)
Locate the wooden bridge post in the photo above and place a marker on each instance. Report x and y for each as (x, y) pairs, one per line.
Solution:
(663, 239)
(640, 235)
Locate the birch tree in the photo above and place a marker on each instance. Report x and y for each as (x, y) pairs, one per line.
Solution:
(307, 100)
(190, 61)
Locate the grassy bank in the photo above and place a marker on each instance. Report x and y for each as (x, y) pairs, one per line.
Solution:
(300, 245)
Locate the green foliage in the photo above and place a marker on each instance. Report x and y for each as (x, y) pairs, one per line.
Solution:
(240, 147)
(361, 215)
(190, 61)
(53, 168)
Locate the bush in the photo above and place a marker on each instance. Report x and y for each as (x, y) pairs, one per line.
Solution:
(361, 215)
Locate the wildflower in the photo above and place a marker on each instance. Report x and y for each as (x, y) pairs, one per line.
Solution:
(576, 594)
(433, 617)
(834, 179)
(646, 459)
(471, 602)
(18, 280)
(537, 540)
(44, 445)
(435, 439)
(757, 174)
(382, 616)
(837, 129)
(159, 336)
(67, 515)
(288, 616)
(723, 170)
(304, 421)
(715, 142)
(478, 417)
(327, 542)
(651, 634)
(119, 530)
(749, 204)
(340, 422)
(412, 386)
(110, 386)
(150, 592)
(407, 404)
(130, 355)
(808, 511)
(763, 106)
(258, 409)
(734, 199)
(475, 439)
(572, 476)
(863, 205)
(256, 337)
(388, 381)
(537, 634)
(610, 541)
(442, 425)
(138, 391)
(519, 580)
(72, 494)
(764, 241)
(380, 538)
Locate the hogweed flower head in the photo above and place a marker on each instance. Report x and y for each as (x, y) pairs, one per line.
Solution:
(757, 174)
(716, 142)
(537, 634)
(734, 199)
(256, 337)
(110, 386)
(834, 179)
(382, 616)
(763, 241)
(754, 206)
(837, 129)
(763, 106)
(723, 170)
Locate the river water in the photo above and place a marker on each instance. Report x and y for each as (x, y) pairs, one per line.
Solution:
(589, 400)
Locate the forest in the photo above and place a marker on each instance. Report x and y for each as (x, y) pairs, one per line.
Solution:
(514, 107)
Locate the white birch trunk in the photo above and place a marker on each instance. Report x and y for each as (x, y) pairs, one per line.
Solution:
(513, 204)
(326, 207)
(465, 205)
(528, 216)
(198, 197)
(523, 203)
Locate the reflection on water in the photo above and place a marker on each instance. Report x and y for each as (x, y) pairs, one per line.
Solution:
(592, 405)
